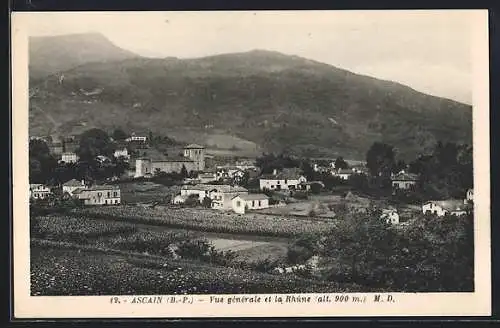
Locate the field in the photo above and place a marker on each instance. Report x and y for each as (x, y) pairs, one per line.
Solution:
(73, 255)
(210, 220)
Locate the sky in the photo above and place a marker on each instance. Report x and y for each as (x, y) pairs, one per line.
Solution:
(429, 51)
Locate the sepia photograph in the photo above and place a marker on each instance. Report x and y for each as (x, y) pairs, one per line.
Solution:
(248, 153)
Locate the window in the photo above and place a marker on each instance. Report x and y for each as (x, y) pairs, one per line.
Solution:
(99, 194)
(115, 194)
(286, 181)
(259, 203)
(238, 203)
(253, 203)
(109, 194)
(116, 201)
(278, 182)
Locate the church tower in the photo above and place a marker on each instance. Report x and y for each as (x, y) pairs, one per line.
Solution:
(197, 154)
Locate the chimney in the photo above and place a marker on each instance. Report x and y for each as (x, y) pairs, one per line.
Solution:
(83, 182)
(275, 171)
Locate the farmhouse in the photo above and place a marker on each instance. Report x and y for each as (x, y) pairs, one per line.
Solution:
(390, 216)
(243, 203)
(403, 180)
(288, 179)
(445, 207)
(223, 194)
(72, 185)
(344, 174)
(39, 191)
(99, 195)
(69, 157)
(193, 160)
(122, 153)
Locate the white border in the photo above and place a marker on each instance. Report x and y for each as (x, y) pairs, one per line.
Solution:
(408, 304)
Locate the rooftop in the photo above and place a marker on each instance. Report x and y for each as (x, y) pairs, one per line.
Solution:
(210, 187)
(403, 176)
(252, 196)
(72, 183)
(194, 146)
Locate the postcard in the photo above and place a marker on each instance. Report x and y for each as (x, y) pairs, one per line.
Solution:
(251, 164)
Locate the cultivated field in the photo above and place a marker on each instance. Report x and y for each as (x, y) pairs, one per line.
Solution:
(145, 192)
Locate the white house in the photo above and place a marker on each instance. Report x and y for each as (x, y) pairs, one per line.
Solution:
(403, 180)
(390, 215)
(469, 197)
(39, 191)
(344, 174)
(69, 157)
(99, 195)
(122, 153)
(444, 207)
(243, 203)
(72, 185)
(201, 190)
(179, 199)
(136, 138)
(223, 194)
(288, 179)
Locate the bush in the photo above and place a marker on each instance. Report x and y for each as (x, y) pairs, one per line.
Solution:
(300, 195)
(298, 254)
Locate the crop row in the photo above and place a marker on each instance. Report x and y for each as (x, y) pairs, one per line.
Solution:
(209, 220)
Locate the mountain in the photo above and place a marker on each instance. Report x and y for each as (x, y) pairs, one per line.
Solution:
(277, 101)
(52, 54)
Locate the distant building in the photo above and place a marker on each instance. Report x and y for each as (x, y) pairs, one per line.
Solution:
(344, 174)
(207, 177)
(390, 216)
(179, 199)
(99, 195)
(193, 160)
(404, 181)
(135, 138)
(288, 179)
(56, 148)
(469, 197)
(223, 194)
(72, 185)
(39, 191)
(122, 153)
(103, 159)
(69, 157)
(243, 203)
(445, 207)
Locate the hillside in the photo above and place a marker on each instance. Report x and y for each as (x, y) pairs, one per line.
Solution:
(276, 101)
(52, 54)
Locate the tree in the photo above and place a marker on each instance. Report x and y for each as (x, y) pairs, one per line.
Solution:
(341, 164)
(94, 142)
(207, 202)
(184, 172)
(119, 135)
(41, 163)
(380, 159)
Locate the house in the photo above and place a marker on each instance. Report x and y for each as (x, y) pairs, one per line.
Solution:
(69, 157)
(179, 199)
(222, 196)
(242, 203)
(135, 138)
(404, 181)
(390, 216)
(39, 191)
(99, 195)
(207, 177)
(344, 174)
(122, 153)
(469, 196)
(201, 190)
(72, 185)
(288, 179)
(193, 159)
(56, 148)
(445, 207)
(229, 172)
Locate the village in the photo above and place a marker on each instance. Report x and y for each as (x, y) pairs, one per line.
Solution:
(234, 186)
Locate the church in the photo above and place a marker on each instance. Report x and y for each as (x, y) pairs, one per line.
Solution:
(193, 160)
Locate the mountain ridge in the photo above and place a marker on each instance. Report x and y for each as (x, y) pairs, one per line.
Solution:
(278, 101)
